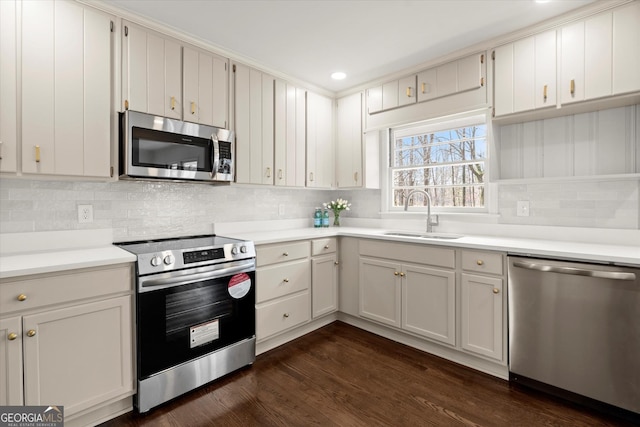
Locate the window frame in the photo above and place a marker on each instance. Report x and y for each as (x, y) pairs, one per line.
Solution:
(430, 126)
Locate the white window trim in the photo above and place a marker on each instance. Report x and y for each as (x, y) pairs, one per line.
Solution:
(433, 125)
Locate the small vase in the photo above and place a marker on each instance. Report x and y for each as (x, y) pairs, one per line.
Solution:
(336, 219)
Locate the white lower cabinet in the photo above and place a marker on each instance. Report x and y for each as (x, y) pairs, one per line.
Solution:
(283, 280)
(418, 298)
(324, 277)
(68, 341)
(483, 316)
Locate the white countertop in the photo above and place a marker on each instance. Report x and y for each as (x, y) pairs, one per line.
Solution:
(618, 254)
(50, 258)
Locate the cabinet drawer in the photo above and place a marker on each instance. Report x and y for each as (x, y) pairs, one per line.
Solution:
(421, 254)
(482, 262)
(323, 246)
(281, 252)
(282, 314)
(282, 279)
(43, 290)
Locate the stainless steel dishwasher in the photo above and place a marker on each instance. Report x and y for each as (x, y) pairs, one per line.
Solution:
(576, 327)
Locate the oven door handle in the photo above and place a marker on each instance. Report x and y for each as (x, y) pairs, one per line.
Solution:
(151, 284)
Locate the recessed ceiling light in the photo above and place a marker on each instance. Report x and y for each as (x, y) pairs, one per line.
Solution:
(338, 75)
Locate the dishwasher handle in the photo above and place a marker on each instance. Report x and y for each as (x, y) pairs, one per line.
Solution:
(613, 275)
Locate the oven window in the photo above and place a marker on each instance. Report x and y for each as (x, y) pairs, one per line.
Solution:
(181, 323)
(164, 150)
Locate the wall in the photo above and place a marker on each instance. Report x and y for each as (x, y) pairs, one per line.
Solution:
(139, 209)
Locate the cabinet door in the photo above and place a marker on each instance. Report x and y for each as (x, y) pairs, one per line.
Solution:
(348, 276)
(66, 89)
(482, 315)
(427, 81)
(254, 126)
(407, 91)
(295, 136)
(8, 87)
(523, 75)
(205, 88)
(374, 99)
(572, 63)
(390, 95)
(324, 285)
(11, 361)
(626, 55)
(503, 80)
(164, 77)
(349, 143)
(598, 34)
(380, 291)
(152, 73)
(428, 302)
(319, 149)
(545, 69)
(280, 132)
(470, 72)
(447, 76)
(38, 72)
(78, 356)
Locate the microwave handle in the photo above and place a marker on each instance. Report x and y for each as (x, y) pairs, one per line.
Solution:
(215, 154)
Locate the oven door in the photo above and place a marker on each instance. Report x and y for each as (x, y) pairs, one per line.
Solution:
(187, 314)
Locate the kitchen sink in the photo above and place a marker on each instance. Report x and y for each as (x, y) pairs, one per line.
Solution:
(441, 236)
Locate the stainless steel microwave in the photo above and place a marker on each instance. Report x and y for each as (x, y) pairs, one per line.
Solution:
(153, 147)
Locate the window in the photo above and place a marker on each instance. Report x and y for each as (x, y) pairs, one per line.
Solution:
(448, 160)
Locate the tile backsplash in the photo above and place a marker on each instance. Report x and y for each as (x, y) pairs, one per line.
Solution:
(139, 209)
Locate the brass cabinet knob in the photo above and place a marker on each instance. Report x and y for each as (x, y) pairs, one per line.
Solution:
(395, 273)
(402, 274)
(285, 254)
(285, 315)
(12, 336)
(327, 246)
(336, 263)
(31, 333)
(496, 290)
(286, 280)
(22, 297)
(480, 262)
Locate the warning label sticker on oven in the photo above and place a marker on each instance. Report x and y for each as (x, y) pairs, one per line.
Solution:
(204, 333)
(239, 285)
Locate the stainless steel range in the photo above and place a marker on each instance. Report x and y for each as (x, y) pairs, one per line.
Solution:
(195, 308)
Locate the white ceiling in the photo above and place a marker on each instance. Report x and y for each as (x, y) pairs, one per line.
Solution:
(367, 39)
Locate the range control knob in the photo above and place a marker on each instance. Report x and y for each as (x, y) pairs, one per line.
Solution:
(243, 249)
(169, 259)
(156, 261)
(234, 250)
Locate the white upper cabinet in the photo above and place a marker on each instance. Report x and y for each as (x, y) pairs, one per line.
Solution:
(525, 74)
(349, 142)
(254, 121)
(427, 85)
(450, 78)
(406, 91)
(152, 73)
(626, 51)
(8, 87)
(66, 89)
(374, 99)
(161, 76)
(586, 59)
(205, 88)
(290, 134)
(319, 141)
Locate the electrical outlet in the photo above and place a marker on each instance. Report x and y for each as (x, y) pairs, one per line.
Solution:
(522, 208)
(281, 209)
(85, 214)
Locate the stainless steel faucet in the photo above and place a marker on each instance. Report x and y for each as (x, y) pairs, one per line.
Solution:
(430, 223)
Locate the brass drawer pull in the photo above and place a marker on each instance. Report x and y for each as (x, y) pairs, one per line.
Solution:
(480, 262)
(496, 290)
(285, 315)
(31, 333)
(12, 336)
(22, 297)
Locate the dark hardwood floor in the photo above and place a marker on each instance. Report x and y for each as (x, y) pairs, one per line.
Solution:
(343, 376)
